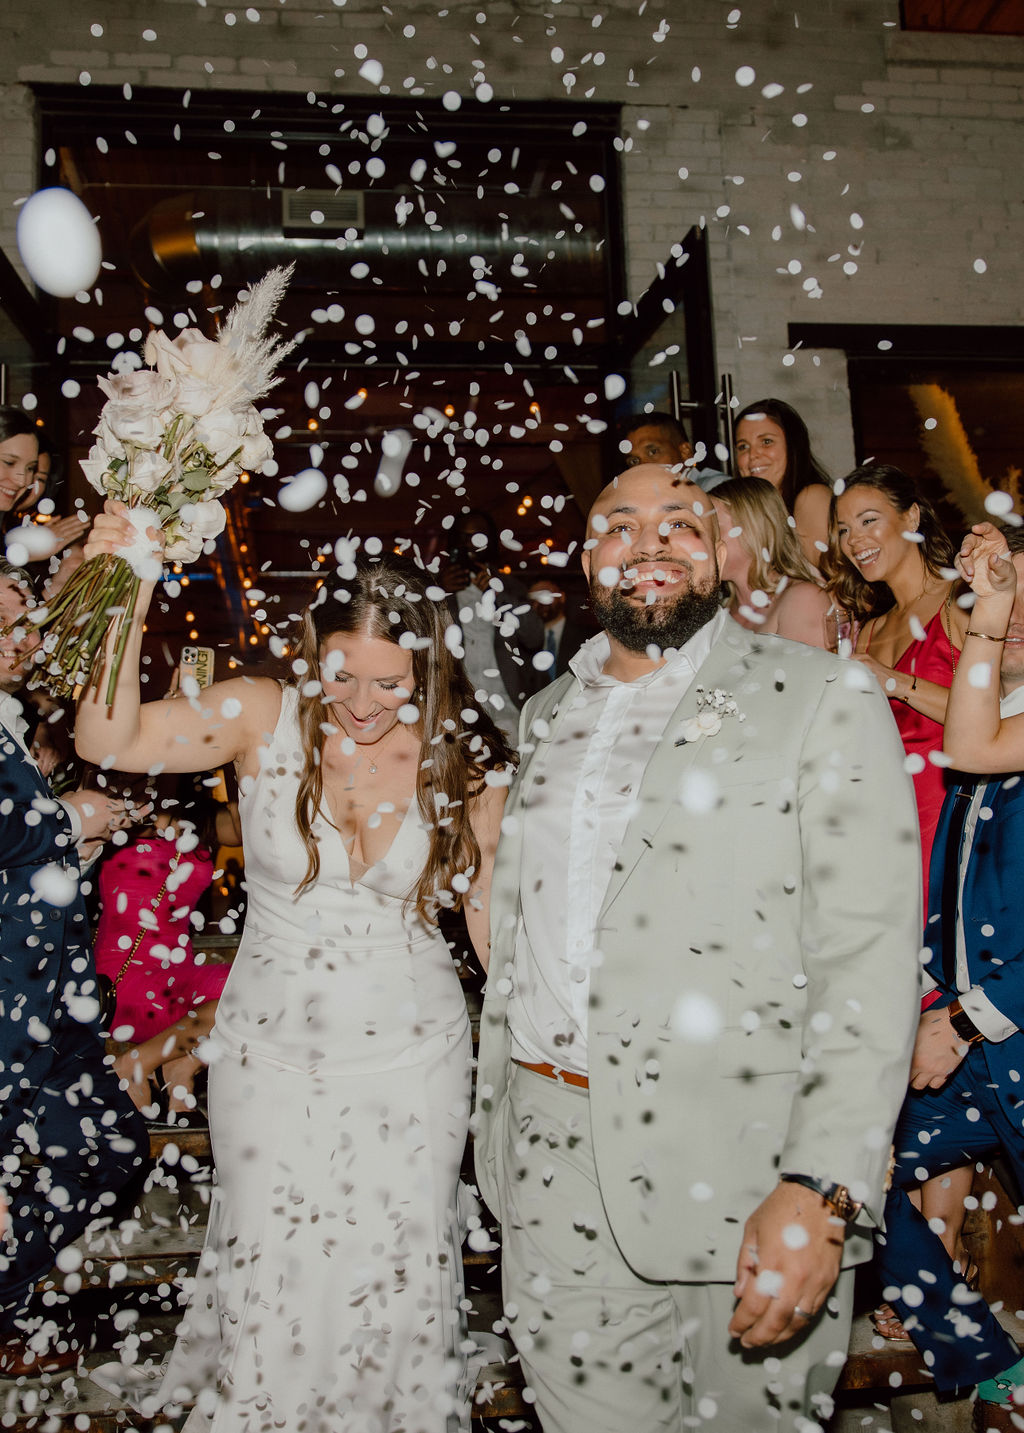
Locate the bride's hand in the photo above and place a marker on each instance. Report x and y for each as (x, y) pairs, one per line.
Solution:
(984, 562)
(112, 531)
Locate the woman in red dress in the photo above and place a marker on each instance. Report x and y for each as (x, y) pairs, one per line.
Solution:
(890, 566)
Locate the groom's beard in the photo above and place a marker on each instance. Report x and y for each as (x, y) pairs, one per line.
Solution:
(669, 621)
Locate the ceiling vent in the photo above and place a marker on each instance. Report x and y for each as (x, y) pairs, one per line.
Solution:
(315, 211)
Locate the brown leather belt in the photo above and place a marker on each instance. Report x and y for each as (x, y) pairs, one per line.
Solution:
(564, 1077)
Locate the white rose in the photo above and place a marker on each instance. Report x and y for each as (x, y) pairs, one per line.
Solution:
(204, 520)
(219, 433)
(96, 466)
(134, 423)
(201, 355)
(224, 478)
(141, 386)
(190, 352)
(186, 547)
(163, 354)
(195, 395)
(257, 449)
(147, 470)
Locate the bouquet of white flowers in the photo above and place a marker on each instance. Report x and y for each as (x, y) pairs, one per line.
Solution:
(172, 438)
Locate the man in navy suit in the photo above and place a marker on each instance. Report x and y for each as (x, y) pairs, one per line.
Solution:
(966, 1100)
(70, 1137)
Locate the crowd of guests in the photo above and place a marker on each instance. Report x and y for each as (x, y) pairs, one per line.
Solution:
(734, 808)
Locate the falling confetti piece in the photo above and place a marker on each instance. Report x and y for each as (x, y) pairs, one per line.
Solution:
(58, 242)
(303, 491)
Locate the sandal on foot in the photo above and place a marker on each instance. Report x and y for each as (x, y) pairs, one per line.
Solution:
(888, 1324)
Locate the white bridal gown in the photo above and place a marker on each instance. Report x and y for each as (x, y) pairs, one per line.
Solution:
(327, 1297)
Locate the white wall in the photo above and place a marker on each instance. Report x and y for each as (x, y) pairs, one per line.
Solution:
(924, 132)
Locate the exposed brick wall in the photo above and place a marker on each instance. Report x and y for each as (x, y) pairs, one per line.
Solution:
(864, 189)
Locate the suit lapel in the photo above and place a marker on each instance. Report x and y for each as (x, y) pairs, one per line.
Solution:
(725, 667)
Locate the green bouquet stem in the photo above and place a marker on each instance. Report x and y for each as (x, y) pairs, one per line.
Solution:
(98, 602)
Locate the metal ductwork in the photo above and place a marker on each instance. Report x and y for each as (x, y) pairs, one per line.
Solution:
(408, 242)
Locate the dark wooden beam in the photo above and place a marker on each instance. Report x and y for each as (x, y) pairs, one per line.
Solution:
(976, 342)
(22, 308)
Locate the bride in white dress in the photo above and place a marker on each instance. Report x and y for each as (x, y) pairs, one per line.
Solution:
(328, 1293)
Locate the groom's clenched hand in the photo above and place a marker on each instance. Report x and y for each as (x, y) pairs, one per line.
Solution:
(788, 1262)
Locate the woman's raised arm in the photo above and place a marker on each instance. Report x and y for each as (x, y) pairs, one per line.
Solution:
(976, 737)
(221, 724)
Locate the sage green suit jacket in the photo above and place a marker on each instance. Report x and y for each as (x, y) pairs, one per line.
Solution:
(756, 999)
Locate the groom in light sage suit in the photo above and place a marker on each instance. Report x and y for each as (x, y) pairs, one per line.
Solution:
(702, 998)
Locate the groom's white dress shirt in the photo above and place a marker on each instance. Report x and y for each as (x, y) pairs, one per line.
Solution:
(592, 771)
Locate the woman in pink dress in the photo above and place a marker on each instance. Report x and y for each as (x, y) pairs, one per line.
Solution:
(166, 993)
(889, 566)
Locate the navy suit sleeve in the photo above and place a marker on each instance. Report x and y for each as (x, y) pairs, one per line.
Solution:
(34, 827)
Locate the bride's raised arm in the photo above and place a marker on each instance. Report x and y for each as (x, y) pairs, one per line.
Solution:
(976, 737)
(222, 724)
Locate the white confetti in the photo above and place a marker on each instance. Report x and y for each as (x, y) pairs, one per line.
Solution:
(303, 491)
(58, 242)
(980, 675)
(980, 266)
(372, 71)
(698, 792)
(54, 884)
(998, 504)
(230, 708)
(795, 1236)
(614, 386)
(745, 75)
(696, 1017)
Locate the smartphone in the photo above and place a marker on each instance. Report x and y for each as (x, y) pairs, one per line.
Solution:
(197, 663)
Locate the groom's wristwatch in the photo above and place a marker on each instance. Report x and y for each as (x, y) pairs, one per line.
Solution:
(963, 1025)
(836, 1196)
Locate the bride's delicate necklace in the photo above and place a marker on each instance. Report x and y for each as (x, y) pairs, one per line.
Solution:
(372, 767)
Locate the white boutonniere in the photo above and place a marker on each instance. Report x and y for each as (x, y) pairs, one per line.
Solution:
(713, 707)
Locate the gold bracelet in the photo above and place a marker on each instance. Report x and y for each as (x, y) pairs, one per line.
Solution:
(913, 688)
(985, 636)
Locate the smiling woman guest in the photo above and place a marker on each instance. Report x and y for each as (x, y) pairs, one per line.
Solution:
(19, 453)
(772, 442)
(889, 565)
(371, 793)
(772, 587)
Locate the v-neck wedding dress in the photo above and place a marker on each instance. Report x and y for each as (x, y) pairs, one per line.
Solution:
(327, 1297)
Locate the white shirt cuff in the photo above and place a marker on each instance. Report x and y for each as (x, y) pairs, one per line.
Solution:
(76, 821)
(992, 1023)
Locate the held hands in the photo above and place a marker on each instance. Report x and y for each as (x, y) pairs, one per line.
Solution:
(984, 562)
(102, 815)
(789, 1260)
(938, 1049)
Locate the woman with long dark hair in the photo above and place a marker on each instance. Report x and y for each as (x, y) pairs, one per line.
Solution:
(890, 566)
(19, 454)
(371, 791)
(772, 442)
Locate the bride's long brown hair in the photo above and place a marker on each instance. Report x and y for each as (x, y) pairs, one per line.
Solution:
(387, 599)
